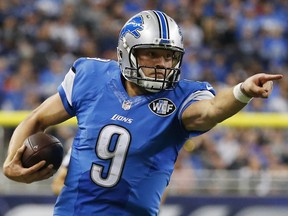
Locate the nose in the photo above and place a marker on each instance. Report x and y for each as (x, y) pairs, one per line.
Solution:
(160, 61)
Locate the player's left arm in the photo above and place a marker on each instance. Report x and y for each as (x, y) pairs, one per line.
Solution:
(205, 114)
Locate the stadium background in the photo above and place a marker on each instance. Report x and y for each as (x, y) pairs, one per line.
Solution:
(239, 168)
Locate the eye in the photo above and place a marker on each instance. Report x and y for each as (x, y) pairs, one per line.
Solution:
(151, 54)
(169, 56)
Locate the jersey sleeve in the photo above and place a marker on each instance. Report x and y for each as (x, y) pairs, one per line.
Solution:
(82, 82)
(65, 91)
(67, 86)
(204, 91)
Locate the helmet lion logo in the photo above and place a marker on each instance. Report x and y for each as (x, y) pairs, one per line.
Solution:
(133, 27)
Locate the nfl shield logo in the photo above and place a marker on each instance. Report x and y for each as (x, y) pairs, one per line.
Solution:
(126, 105)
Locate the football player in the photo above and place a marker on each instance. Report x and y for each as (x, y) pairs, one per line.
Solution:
(133, 117)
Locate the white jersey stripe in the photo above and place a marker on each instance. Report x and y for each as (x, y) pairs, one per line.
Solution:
(67, 85)
(196, 96)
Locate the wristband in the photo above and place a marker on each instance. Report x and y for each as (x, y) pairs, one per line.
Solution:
(239, 95)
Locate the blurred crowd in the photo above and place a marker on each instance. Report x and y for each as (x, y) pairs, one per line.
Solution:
(225, 42)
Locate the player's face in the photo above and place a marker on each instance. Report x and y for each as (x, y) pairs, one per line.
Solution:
(155, 58)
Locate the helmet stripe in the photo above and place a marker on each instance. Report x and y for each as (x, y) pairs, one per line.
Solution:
(164, 29)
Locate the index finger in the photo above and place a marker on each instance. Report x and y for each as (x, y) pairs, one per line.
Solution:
(271, 77)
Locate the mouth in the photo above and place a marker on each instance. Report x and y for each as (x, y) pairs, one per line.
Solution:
(156, 75)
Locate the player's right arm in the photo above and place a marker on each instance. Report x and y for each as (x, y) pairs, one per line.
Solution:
(49, 113)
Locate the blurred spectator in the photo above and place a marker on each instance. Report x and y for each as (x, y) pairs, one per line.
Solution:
(192, 33)
(50, 78)
(228, 147)
(4, 74)
(191, 67)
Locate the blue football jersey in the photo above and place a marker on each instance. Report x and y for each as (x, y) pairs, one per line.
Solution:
(125, 148)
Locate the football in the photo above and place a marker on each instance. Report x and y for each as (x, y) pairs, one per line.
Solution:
(42, 146)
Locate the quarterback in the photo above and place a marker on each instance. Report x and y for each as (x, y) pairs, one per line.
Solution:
(133, 116)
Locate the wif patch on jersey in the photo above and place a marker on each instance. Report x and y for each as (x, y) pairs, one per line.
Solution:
(162, 107)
